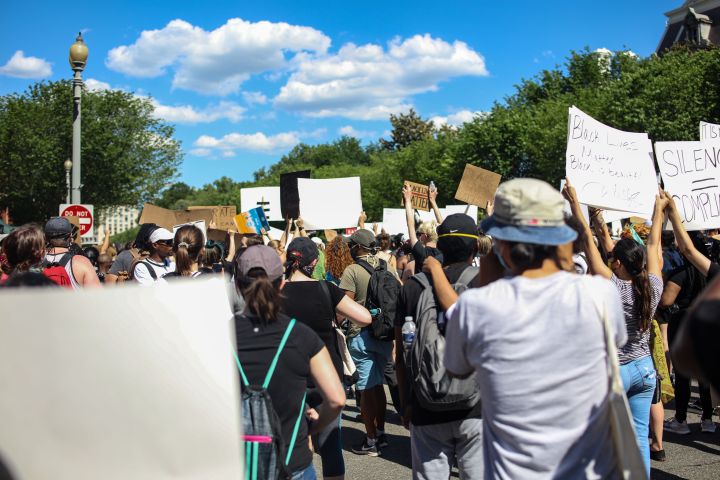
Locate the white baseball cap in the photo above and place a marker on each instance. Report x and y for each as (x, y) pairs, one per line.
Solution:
(161, 234)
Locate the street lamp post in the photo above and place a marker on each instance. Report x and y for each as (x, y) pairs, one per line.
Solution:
(68, 166)
(78, 58)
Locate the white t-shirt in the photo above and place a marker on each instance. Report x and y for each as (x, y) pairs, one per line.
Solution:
(538, 348)
(142, 274)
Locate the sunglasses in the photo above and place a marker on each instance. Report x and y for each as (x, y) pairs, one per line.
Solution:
(167, 243)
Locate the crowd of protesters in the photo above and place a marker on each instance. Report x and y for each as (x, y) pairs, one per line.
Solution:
(490, 337)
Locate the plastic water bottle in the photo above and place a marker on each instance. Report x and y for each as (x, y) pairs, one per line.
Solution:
(432, 186)
(408, 333)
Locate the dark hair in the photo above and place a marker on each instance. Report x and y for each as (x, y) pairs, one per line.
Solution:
(252, 240)
(632, 256)
(526, 256)
(667, 239)
(142, 239)
(24, 247)
(213, 254)
(457, 249)
(61, 241)
(28, 279)
(262, 297)
(92, 254)
(383, 241)
(187, 245)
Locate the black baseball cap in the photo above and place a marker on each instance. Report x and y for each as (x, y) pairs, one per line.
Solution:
(458, 225)
(303, 249)
(58, 227)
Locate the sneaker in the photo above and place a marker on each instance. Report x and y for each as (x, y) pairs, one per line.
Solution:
(382, 441)
(707, 426)
(658, 455)
(365, 449)
(695, 406)
(672, 425)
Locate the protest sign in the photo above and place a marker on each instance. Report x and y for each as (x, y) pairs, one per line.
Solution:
(75, 222)
(222, 216)
(709, 131)
(252, 221)
(691, 174)
(330, 235)
(289, 198)
(420, 199)
(394, 221)
(143, 390)
(169, 218)
(469, 210)
(266, 197)
(199, 224)
(610, 168)
(477, 186)
(330, 202)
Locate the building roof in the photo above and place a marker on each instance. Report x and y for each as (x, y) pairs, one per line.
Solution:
(703, 11)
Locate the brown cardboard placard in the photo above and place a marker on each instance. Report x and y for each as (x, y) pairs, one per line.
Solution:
(420, 196)
(330, 235)
(477, 186)
(222, 215)
(169, 218)
(75, 221)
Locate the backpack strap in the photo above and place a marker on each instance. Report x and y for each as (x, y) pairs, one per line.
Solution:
(65, 259)
(151, 270)
(326, 293)
(468, 275)
(365, 265)
(422, 279)
(273, 365)
(296, 429)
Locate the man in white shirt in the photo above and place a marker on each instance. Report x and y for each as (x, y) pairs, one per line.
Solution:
(536, 343)
(155, 266)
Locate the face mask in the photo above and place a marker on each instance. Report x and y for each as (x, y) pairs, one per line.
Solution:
(500, 258)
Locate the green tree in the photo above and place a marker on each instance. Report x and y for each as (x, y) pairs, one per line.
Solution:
(406, 129)
(128, 155)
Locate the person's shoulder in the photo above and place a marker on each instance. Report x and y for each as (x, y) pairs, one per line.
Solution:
(306, 337)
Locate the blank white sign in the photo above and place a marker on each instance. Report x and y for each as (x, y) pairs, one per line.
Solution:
(330, 202)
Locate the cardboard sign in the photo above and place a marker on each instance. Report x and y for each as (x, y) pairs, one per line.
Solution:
(691, 174)
(75, 221)
(330, 202)
(477, 186)
(289, 195)
(266, 197)
(143, 391)
(709, 131)
(420, 199)
(252, 221)
(330, 235)
(199, 224)
(609, 168)
(169, 218)
(222, 216)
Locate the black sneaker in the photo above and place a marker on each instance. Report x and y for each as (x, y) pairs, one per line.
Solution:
(695, 406)
(365, 449)
(382, 441)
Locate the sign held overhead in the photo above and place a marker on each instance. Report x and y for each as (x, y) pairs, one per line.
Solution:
(477, 186)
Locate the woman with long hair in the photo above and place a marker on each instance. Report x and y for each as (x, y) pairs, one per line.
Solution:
(316, 303)
(188, 248)
(337, 259)
(24, 248)
(636, 272)
(261, 332)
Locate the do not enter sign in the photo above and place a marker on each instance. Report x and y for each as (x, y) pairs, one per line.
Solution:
(84, 213)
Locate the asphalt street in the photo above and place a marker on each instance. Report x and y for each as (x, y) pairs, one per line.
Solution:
(695, 456)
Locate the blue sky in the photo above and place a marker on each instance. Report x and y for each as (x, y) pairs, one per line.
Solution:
(245, 81)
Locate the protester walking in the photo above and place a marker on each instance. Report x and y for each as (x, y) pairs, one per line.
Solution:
(288, 355)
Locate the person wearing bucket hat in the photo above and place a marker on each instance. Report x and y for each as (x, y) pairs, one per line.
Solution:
(286, 352)
(59, 233)
(543, 416)
(316, 303)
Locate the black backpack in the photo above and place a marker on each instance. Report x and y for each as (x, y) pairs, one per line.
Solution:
(433, 387)
(265, 455)
(382, 299)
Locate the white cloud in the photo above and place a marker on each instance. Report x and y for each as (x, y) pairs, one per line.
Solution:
(96, 85)
(350, 131)
(254, 98)
(370, 82)
(456, 119)
(200, 152)
(256, 142)
(20, 66)
(189, 114)
(228, 154)
(218, 61)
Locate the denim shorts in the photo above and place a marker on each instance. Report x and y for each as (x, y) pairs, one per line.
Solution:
(370, 356)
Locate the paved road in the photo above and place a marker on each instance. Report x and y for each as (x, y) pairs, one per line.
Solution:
(695, 456)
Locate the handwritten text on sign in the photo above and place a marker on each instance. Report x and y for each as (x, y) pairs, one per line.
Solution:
(420, 199)
(709, 131)
(691, 173)
(609, 168)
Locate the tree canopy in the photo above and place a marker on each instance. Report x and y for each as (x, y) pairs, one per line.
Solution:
(128, 155)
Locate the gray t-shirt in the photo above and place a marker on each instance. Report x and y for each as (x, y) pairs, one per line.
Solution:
(538, 348)
(122, 263)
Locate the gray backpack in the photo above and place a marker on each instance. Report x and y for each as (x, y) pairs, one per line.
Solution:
(433, 387)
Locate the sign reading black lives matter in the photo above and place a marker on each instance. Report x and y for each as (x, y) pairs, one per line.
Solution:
(609, 168)
(691, 176)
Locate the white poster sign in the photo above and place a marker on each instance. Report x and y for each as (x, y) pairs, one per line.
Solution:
(266, 197)
(394, 219)
(691, 174)
(608, 215)
(199, 224)
(330, 202)
(472, 212)
(609, 168)
(115, 384)
(709, 131)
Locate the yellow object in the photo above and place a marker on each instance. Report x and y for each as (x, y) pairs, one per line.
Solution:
(657, 348)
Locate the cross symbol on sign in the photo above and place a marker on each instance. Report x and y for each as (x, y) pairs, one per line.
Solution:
(262, 203)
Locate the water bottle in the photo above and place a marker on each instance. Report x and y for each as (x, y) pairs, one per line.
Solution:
(432, 186)
(408, 333)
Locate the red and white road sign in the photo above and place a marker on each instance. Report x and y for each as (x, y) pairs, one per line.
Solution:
(83, 212)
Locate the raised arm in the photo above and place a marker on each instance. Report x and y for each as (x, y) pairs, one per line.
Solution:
(106, 242)
(654, 250)
(300, 228)
(685, 245)
(433, 204)
(361, 219)
(409, 214)
(446, 294)
(593, 254)
(601, 231)
(231, 246)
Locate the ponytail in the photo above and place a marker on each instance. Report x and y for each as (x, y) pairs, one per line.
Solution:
(187, 246)
(633, 257)
(643, 296)
(262, 297)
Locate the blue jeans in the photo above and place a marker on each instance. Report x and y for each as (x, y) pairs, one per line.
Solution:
(305, 474)
(639, 381)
